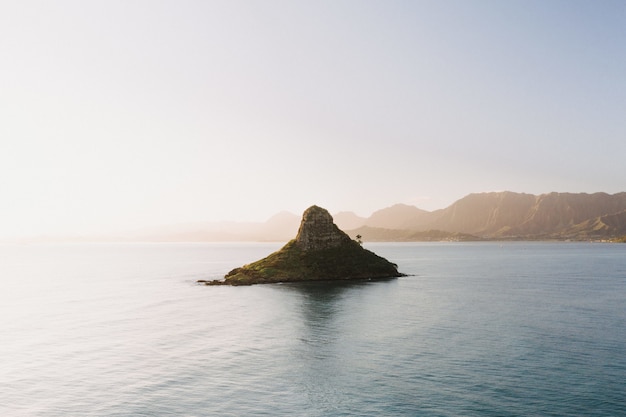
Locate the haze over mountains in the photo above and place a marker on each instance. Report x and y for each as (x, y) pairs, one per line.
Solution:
(494, 215)
(506, 215)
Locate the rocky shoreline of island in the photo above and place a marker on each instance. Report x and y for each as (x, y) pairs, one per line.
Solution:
(320, 252)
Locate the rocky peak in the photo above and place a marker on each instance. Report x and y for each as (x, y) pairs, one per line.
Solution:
(320, 252)
(318, 231)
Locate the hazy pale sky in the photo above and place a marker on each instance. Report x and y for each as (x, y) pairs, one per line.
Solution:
(125, 114)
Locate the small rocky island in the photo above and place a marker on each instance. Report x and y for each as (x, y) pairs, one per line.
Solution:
(319, 252)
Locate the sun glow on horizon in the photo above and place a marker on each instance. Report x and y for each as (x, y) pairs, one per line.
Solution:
(118, 116)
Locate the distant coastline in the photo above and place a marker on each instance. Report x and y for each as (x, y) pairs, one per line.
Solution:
(494, 216)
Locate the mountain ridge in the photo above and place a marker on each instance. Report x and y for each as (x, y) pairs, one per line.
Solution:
(502, 215)
(510, 215)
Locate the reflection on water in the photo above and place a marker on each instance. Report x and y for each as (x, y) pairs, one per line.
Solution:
(479, 329)
(332, 352)
(321, 300)
(323, 308)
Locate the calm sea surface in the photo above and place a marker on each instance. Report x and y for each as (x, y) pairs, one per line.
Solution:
(480, 329)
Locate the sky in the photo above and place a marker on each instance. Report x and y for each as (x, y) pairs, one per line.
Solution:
(119, 115)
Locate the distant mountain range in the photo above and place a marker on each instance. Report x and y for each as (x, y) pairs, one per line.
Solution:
(484, 216)
(505, 215)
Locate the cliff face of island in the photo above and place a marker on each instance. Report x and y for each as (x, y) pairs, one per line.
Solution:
(318, 231)
(320, 251)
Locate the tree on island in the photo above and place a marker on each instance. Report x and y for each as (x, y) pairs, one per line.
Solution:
(320, 252)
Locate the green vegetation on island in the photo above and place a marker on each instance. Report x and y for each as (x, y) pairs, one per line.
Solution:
(319, 252)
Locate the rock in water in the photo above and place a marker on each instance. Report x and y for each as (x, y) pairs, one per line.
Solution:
(320, 251)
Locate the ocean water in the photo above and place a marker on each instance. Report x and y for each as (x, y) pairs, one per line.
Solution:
(479, 329)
